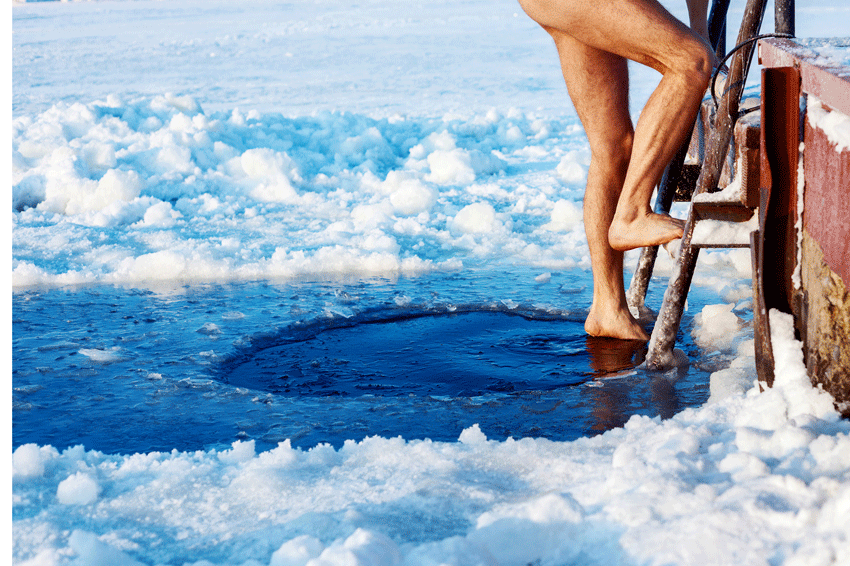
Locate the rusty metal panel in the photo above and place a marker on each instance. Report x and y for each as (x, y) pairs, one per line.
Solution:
(780, 138)
(827, 200)
(821, 305)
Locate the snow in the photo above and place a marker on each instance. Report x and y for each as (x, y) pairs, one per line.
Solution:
(185, 142)
(835, 124)
(178, 193)
(724, 232)
(717, 327)
(830, 52)
(797, 276)
(733, 192)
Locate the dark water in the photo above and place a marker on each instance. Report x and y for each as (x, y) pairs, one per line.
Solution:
(466, 354)
(128, 370)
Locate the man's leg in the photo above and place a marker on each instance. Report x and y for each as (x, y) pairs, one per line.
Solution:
(598, 85)
(643, 31)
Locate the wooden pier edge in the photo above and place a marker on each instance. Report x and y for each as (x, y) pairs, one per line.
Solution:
(801, 255)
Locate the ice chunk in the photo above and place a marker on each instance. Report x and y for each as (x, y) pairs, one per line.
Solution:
(103, 356)
(297, 552)
(78, 489)
(28, 461)
(91, 550)
(476, 218)
(565, 216)
(716, 327)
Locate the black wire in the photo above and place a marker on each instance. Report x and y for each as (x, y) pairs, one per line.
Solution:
(732, 52)
(748, 111)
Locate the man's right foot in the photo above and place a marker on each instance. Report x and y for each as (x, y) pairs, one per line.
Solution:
(621, 325)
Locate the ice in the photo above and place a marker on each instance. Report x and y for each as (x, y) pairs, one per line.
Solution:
(476, 218)
(570, 169)
(685, 472)
(103, 355)
(27, 460)
(297, 551)
(738, 378)
(183, 193)
(160, 144)
(716, 327)
(566, 216)
(78, 489)
(90, 550)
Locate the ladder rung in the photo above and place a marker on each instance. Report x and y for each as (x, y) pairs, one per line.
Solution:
(723, 245)
(725, 211)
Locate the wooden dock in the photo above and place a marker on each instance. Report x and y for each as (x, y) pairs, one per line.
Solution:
(802, 253)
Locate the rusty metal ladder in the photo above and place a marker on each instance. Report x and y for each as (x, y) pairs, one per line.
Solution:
(713, 135)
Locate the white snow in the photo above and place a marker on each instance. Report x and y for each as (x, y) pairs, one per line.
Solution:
(716, 327)
(835, 124)
(724, 232)
(797, 276)
(733, 192)
(830, 52)
(188, 141)
(77, 489)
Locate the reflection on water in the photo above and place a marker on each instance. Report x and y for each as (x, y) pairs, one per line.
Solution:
(615, 403)
(609, 356)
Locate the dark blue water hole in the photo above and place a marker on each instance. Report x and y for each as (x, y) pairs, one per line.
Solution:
(514, 374)
(124, 371)
(468, 354)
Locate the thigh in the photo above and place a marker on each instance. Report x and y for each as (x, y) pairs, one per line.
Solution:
(640, 30)
(598, 84)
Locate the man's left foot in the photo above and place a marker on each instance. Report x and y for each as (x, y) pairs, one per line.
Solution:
(649, 230)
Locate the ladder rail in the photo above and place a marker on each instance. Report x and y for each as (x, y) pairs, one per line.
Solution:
(636, 294)
(660, 352)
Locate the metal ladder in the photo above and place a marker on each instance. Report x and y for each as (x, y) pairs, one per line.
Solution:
(713, 134)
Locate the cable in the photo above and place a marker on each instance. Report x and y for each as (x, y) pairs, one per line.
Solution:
(732, 52)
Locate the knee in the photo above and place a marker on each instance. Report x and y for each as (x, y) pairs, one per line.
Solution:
(697, 65)
(531, 8)
(611, 157)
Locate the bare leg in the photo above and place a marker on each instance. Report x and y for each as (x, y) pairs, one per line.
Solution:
(643, 31)
(698, 16)
(598, 85)
(593, 40)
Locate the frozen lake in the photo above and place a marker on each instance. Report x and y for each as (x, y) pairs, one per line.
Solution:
(302, 283)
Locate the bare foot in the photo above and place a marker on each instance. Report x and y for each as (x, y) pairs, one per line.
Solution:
(615, 324)
(647, 230)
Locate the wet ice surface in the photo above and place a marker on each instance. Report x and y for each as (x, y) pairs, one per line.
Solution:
(123, 370)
